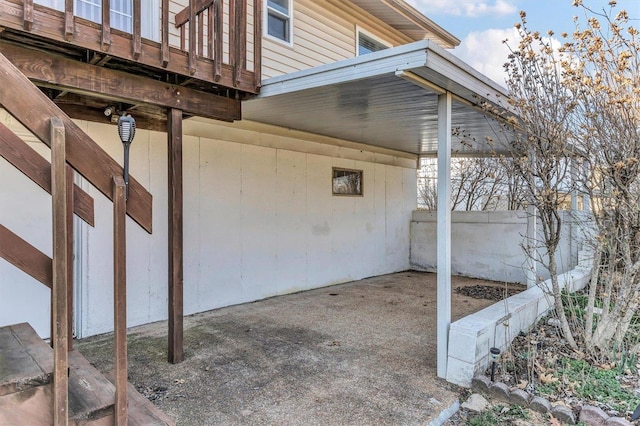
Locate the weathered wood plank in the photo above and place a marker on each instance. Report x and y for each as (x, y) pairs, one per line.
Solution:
(193, 67)
(137, 35)
(164, 44)
(38, 169)
(218, 30)
(176, 353)
(117, 85)
(233, 40)
(60, 269)
(106, 25)
(69, 20)
(240, 28)
(28, 14)
(70, 242)
(26, 359)
(32, 108)
(120, 298)
(257, 43)
(51, 25)
(25, 257)
(183, 16)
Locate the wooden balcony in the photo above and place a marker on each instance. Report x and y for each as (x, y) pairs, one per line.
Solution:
(207, 46)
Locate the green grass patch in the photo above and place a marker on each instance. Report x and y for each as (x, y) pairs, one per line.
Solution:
(499, 414)
(591, 383)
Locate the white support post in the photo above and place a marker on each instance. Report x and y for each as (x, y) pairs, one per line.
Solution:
(444, 231)
(573, 221)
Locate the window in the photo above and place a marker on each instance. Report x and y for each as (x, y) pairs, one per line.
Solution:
(368, 44)
(347, 182)
(279, 19)
(121, 14)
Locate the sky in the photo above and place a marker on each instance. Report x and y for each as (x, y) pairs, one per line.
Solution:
(482, 25)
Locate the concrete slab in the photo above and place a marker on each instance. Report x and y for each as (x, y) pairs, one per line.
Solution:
(356, 353)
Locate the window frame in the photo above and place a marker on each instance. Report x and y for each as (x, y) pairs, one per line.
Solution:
(289, 20)
(360, 174)
(359, 31)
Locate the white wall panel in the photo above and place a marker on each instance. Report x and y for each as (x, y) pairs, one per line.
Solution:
(259, 221)
(320, 230)
(220, 258)
(291, 236)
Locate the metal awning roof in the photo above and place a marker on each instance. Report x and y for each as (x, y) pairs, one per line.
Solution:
(386, 99)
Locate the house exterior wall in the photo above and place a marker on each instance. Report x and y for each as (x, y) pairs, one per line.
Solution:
(259, 220)
(324, 31)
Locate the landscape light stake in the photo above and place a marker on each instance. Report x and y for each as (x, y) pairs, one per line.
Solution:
(126, 130)
(495, 353)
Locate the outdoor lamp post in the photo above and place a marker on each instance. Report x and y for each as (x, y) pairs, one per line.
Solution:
(126, 130)
(495, 353)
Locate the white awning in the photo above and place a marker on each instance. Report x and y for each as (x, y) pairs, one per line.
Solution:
(386, 98)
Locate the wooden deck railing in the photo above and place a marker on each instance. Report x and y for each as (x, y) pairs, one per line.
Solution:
(70, 147)
(200, 52)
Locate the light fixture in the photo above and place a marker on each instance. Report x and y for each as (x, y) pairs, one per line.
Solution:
(126, 130)
(108, 111)
(495, 353)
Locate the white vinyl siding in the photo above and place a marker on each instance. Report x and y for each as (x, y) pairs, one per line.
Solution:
(324, 33)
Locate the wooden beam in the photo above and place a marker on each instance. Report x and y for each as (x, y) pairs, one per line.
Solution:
(176, 352)
(37, 168)
(92, 80)
(120, 299)
(25, 257)
(184, 15)
(60, 270)
(22, 99)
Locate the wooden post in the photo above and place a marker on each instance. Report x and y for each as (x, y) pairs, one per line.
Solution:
(120, 298)
(69, 20)
(192, 37)
(219, 31)
(27, 14)
(137, 36)
(60, 273)
(176, 353)
(70, 242)
(164, 47)
(257, 43)
(106, 24)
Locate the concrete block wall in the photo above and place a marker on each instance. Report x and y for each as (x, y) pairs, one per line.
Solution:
(485, 244)
(471, 337)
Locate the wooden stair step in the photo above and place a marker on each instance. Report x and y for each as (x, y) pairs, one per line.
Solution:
(26, 361)
(91, 395)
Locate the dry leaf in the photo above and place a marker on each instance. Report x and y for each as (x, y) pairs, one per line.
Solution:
(523, 384)
(553, 421)
(547, 378)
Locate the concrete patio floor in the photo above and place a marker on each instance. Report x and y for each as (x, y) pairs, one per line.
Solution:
(360, 353)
